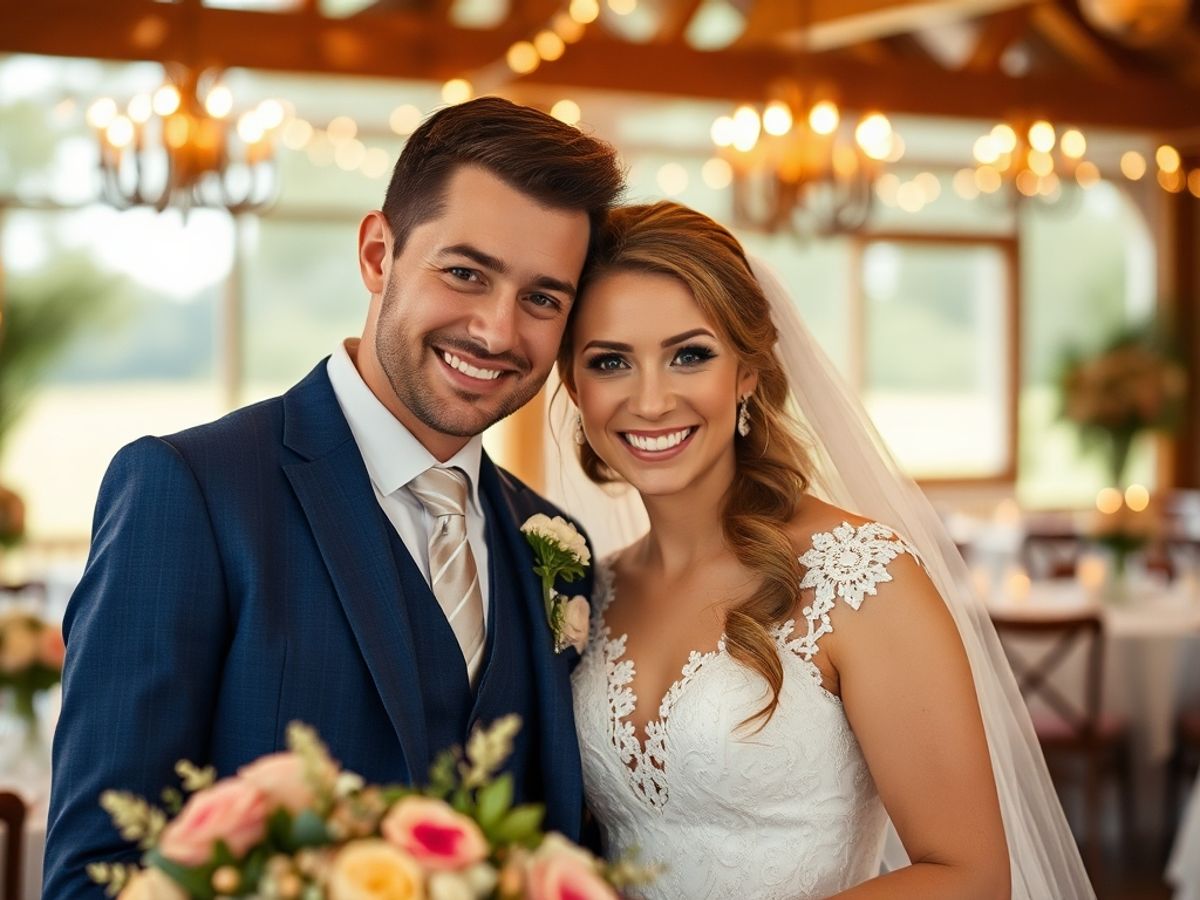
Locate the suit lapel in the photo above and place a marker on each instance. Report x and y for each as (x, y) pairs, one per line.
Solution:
(335, 492)
(557, 742)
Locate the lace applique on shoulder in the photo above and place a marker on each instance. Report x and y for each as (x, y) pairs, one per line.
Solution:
(847, 562)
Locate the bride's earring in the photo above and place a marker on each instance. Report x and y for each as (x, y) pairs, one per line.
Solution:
(743, 418)
(580, 437)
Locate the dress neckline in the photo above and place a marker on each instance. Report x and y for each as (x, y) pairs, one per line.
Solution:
(642, 757)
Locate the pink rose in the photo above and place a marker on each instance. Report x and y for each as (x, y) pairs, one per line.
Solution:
(434, 834)
(559, 870)
(232, 810)
(281, 778)
(575, 623)
(52, 649)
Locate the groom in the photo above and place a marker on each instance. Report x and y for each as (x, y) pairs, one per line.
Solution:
(346, 555)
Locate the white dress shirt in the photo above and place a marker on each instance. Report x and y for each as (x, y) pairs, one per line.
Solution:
(394, 458)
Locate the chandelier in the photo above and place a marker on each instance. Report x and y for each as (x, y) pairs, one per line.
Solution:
(801, 167)
(1028, 161)
(182, 146)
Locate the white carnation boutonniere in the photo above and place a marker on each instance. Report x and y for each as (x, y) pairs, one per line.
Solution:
(560, 552)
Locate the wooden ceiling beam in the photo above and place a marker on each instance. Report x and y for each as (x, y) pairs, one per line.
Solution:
(833, 24)
(411, 47)
(675, 18)
(1074, 41)
(996, 34)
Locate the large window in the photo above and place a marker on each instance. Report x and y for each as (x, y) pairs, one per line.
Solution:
(936, 360)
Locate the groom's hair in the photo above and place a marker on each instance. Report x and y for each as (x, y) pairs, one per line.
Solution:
(554, 163)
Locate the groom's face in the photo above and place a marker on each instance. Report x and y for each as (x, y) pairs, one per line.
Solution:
(474, 307)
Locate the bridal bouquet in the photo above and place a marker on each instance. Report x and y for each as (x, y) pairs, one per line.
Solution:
(293, 826)
(31, 658)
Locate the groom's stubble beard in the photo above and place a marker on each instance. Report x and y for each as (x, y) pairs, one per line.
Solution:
(403, 356)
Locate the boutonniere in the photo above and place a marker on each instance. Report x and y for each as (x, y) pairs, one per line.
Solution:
(560, 551)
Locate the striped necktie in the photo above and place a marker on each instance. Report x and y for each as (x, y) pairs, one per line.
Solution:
(453, 576)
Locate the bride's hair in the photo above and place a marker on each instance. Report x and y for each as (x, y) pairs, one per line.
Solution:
(772, 461)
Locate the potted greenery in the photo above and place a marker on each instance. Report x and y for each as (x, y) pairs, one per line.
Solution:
(39, 314)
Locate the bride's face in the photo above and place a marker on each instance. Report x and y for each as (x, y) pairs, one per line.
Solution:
(656, 384)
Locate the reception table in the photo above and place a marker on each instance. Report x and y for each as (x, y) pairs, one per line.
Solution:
(1152, 663)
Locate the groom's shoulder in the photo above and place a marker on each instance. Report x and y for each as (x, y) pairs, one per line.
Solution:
(236, 438)
(241, 441)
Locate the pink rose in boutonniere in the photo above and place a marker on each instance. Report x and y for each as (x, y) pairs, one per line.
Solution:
(560, 553)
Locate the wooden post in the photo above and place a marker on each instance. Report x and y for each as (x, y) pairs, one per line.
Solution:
(1185, 218)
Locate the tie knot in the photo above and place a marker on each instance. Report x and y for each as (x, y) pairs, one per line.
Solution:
(442, 491)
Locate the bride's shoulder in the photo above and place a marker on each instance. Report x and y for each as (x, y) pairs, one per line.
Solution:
(850, 553)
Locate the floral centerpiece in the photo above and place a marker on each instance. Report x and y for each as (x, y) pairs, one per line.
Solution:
(31, 659)
(1134, 384)
(294, 826)
(1123, 532)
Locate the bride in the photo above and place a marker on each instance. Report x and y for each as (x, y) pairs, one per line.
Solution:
(789, 657)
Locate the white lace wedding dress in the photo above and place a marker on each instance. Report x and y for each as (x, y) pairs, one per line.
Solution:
(786, 812)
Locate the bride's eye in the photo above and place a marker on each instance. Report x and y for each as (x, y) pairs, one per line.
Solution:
(606, 362)
(694, 355)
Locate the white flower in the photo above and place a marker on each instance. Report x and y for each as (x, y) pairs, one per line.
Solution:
(560, 532)
(468, 884)
(152, 884)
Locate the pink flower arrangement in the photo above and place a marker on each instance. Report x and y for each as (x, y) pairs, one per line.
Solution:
(1134, 384)
(31, 658)
(292, 824)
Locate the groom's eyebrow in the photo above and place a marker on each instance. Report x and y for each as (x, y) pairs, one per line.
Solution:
(545, 282)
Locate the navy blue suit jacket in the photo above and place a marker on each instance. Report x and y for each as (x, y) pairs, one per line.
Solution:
(240, 578)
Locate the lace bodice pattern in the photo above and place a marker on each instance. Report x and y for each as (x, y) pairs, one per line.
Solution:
(786, 812)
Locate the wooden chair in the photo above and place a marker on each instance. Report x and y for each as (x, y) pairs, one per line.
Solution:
(1051, 554)
(12, 814)
(1073, 727)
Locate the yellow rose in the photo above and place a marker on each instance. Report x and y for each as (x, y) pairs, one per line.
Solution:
(373, 869)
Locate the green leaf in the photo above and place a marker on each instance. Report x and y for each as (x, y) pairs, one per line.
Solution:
(308, 830)
(494, 801)
(254, 867)
(279, 829)
(522, 825)
(197, 882)
(461, 801)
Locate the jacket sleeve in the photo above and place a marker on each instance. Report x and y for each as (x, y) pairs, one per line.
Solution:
(146, 631)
